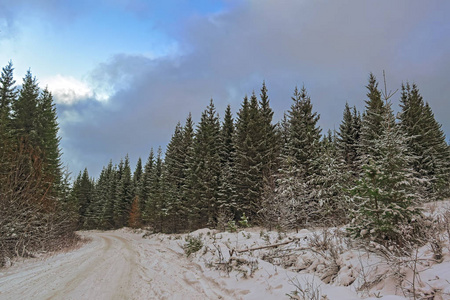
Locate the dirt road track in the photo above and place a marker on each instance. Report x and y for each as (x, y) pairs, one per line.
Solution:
(115, 265)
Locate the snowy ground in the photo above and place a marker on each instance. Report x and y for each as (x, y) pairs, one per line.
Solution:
(126, 264)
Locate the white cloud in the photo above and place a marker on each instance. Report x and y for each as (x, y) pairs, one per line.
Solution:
(68, 90)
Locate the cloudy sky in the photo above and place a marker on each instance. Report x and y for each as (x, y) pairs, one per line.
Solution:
(124, 72)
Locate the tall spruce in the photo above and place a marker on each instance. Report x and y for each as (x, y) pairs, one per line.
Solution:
(106, 194)
(325, 201)
(228, 152)
(371, 126)
(146, 185)
(426, 140)
(137, 177)
(248, 164)
(8, 95)
(385, 194)
(348, 137)
(303, 142)
(269, 144)
(206, 166)
(190, 181)
(124, 193)
(47, 130)
(174, 178)
(25, 111)
(155, 206)
(84, 194)
(440, 156)
(300, 160)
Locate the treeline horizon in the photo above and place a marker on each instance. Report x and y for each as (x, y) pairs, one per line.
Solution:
(288, 174)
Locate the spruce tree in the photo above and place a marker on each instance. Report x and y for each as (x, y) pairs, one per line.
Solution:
(206, 166)
(125, 196)
(94, 211)
(47, 130)
(174, 178)
(228, 153)
(84, 193)
(106, 194)
(426, 141)
(303, 143)
(348, 137)
(189, 192)
(137, 177)
(25, 111)
(283, 205)
(155, 206)
(385, 194)
(146, 185)
(371, 126)
(300, 160)
(8, 95)
(269, 144)
(325, 204)
(248, 164)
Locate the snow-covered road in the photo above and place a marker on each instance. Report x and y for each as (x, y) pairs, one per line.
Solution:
(133, 264)
(115, 265)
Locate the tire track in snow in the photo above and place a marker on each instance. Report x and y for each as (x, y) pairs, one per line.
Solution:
(115, 265)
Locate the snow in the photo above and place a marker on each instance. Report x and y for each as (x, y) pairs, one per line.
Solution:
(318, 264)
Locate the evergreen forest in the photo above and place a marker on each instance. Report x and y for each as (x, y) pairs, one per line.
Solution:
(370, 174)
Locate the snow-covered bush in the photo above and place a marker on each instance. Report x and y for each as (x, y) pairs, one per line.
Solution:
(193, 244)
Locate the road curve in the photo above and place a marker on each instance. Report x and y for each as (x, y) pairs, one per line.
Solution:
(115, 265)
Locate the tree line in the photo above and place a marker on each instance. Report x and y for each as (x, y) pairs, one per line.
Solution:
(33, 188)
(369, 173)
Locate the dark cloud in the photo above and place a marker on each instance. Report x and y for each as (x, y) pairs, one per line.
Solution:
(330, 47)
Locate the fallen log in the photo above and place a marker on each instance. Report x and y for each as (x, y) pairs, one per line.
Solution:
(268, 246)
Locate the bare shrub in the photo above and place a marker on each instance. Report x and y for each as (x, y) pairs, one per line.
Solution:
(306, 290)
(31, 218)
